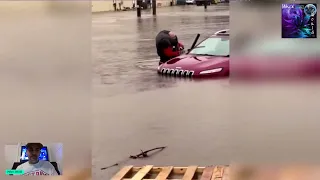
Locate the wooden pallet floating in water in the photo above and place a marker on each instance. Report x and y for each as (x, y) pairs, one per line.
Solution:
(150, 172)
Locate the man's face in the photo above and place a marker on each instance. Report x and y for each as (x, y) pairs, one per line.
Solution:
(33, 153)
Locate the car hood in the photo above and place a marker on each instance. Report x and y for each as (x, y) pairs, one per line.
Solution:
(193, 61)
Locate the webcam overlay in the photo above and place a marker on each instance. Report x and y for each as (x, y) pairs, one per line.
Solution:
(34, 159)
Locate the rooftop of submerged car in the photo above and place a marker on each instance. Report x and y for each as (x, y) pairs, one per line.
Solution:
(224, 32)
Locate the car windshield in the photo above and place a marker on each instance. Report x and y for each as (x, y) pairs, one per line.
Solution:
(212, 47)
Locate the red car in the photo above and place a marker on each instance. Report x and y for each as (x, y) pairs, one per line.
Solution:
(208, 59)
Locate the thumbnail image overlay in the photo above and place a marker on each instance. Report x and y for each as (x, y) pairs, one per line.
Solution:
(34, 159)
(299, 20)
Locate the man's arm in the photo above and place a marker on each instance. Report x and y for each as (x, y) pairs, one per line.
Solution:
(167, 48)
(181, 46)
(53, 171)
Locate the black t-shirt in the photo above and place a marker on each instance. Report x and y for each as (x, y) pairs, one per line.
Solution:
(163, 41)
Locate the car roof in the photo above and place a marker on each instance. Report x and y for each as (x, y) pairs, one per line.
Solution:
(224, 32)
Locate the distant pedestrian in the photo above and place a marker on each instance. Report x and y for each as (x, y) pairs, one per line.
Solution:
(120, 4)
(115, 5)
(149, 3)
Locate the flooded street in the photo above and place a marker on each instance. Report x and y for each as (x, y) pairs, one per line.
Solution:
(48, 94)
(135, 109)
(202, 123)
(123, 46)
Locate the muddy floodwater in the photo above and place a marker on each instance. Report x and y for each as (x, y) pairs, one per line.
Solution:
(135, 109)
(201, 122)
(123, 46)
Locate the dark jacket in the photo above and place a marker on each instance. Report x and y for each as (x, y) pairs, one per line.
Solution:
(167, 47)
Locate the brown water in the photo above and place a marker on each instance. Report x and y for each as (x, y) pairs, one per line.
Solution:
(123, 46)
(135, 109)
(202, 123)
(45, 94)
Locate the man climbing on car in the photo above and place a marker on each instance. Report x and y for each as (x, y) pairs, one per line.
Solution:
(168, 46)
